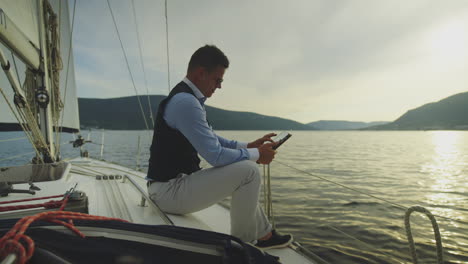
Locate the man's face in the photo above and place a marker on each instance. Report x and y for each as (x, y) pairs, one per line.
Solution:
(211, 80)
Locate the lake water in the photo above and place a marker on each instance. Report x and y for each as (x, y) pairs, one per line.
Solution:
(405, 168)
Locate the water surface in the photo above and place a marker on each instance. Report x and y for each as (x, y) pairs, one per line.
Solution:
(342, 226)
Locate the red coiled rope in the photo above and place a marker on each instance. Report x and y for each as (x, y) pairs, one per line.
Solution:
(48, 205)
(12, 242)
(32, 199)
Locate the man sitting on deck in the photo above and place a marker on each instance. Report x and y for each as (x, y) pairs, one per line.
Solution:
(177, 183)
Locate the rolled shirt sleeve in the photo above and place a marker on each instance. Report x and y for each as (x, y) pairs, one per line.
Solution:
(253, 152)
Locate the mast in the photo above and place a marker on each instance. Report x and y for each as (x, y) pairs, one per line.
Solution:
(32, 30)
(43, 89)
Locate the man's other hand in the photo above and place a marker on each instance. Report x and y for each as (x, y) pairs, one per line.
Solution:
(259, 142)
(267, 154)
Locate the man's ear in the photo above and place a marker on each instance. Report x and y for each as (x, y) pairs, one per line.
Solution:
(200, 72)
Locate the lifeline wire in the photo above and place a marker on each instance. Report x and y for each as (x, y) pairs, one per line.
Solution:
(364, 193)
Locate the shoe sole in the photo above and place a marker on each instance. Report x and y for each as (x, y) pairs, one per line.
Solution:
(278, 246)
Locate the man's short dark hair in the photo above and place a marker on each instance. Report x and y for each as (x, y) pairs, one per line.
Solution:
(209, 57)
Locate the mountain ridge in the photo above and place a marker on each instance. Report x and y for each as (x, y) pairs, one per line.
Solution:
(450, 113)
(123, 113)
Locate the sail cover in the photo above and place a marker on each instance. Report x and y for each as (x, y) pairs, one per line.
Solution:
(20, 30)
(24, 14)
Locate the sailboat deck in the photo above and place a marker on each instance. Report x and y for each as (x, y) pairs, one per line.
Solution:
(116, 191)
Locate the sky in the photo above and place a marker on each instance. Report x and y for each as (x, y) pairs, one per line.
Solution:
(356, 60)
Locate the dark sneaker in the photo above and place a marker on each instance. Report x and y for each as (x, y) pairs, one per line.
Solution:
(275, 241)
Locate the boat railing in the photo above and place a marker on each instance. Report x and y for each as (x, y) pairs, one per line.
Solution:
(268, 205)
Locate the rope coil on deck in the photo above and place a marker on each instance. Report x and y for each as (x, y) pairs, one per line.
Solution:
(435, 226)
(12, 242)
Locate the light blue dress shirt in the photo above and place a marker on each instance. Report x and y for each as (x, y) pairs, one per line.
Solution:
(187, 114)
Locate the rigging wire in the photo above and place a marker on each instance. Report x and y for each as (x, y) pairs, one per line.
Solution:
(142, 63)
(60, 128)
(408, 210)
(128, 66)
(360, 241)
(28, 116)
(22, 124)
(12, 139)
(16, 156)
(364, 193)
(167, 48)
(25, 116)
(54, 62)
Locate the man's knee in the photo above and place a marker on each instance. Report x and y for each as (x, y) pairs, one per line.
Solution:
(249, 169)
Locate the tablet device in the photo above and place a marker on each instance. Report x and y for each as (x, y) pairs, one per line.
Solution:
(280, 139)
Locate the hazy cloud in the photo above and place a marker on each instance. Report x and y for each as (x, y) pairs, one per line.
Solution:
(307, 60)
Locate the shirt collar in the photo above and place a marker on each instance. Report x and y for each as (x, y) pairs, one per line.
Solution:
(195, 90)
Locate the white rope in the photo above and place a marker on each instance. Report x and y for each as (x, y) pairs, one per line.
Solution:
(55, 65)
(29, 116)
(18, 118)
(29, 89)
(265, 199)
(54, 61)
(268, 204)
(24, 114)
(435, 226)
(268, 195)
(128, 66)
(31, 123)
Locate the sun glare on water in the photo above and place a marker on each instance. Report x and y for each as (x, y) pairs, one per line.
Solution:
(444, 169)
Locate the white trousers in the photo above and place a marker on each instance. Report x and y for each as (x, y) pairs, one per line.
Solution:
(199, 190)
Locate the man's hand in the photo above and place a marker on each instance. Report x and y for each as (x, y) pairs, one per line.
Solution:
(267, 154)
(259, 142)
